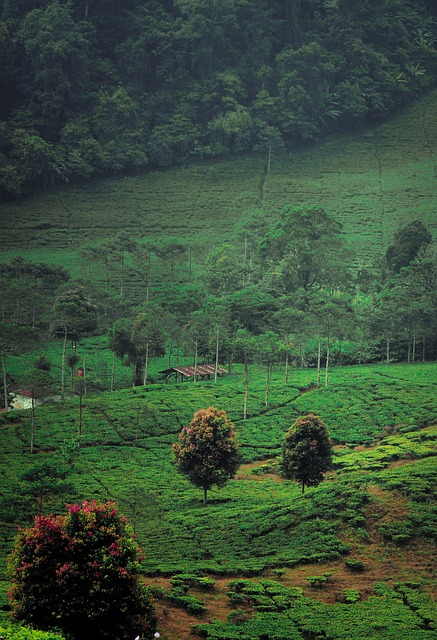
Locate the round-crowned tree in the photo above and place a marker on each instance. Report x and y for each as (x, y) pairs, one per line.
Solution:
(306, 451)
(79, 573)
(207, 451)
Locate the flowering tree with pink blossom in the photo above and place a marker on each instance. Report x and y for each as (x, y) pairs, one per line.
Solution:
(207, 451)
(80, 573)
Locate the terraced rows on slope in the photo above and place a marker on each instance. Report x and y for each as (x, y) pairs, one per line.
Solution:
(373, 181)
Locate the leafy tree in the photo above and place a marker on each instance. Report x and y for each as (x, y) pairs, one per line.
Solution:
(80, 572)
(251, 307)
(223, 272)
(14, 340)
(56, 63)
(44, 483)
(268, 347)
(331, 317)
(407, 243)
(169, 251)
(306, 451)
(147, 338)
(74, 315)
(207, 451)
(196, 334)
(291, 323)
(136, 340)
(69, 451)
(246, 345)
(39, 383)
(306, 248)
(119, 131)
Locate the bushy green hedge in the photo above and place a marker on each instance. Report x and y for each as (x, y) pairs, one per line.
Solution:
(23, 633)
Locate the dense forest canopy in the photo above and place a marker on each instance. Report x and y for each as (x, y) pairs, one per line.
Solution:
(97, 87)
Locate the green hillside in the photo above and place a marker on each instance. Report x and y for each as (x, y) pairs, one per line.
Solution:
(373, 182)
(375, 511)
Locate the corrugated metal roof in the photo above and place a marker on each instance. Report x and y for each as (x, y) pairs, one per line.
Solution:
(202, 370)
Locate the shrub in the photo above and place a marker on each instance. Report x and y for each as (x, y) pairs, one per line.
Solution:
(351, 596)
(191, 580)
(22, 633)
(397, 531)
(354, 565)
(319, 581)
(179, 598)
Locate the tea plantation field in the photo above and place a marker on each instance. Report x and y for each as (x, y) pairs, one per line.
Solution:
(374, 181)
(354, 557)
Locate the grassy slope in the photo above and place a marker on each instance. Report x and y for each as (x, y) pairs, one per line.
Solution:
(259, 522)
(374, 182)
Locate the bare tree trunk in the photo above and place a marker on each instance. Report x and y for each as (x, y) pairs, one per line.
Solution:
(84, 376)
(414, 347)
(216, 355)
(319, 358)
(32, 424)
(286, 367)
(269, 377)
(64, 351)
(244, 261)
(387, 350)
(80, 414)
(170, 352)
(246, 388)
(121, 273)
(106, 272)
(146, 364)
(149, 272)
(327, 363)
(113, 373)
(190, 264)
(196, 342)
(5, 381)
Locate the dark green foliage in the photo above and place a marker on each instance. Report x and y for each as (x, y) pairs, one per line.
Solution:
(73, 315)
(136, 340)
(408, 241)
(192, 580)
(179, 597)
(80, 573)
(44, 483)
(306, 451)
(93, 89)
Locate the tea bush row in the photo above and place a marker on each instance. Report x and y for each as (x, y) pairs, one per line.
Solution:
(281, 612)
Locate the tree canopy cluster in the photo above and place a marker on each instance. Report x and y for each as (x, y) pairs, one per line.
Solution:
(281, 293)
(94, 87)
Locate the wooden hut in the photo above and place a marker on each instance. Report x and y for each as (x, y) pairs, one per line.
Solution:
(202, 371)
